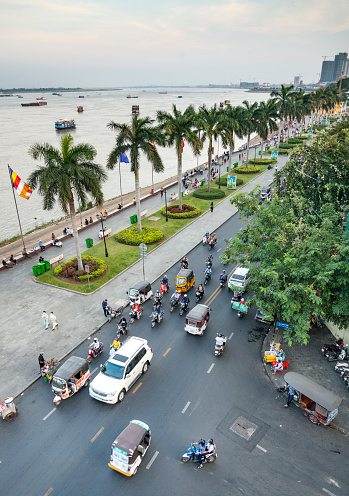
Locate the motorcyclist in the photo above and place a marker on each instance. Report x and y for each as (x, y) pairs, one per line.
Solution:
(157, 298)
(116, 343)
(135, 308)
(220, 340)
(185, 300)
(208, 271)
(209, 260)
(223, 277)
(210, 448)
(176, 296)
(158, 311)
(165, 281)
(95, 346)
(202, 447)
(200, 289)
(185, 262)
(123, 323)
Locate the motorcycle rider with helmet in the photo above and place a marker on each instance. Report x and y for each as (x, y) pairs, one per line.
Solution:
(220, 340)
(223, 277)
(95, 346)
(185, 300)
(165, 281)
(208, 272)
(201, 289)
(123, 323)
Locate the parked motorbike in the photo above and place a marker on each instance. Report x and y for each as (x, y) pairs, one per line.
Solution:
(92, 353)
(334, 346)
(183, 307)
(198, 295)
(340, 354)
(134, 315)
(173, 302)
(218, 349)
(192, 454)
(114, 313)
(156, 318)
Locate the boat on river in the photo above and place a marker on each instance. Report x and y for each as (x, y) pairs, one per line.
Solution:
(34, 104)
(42, 98)
(65, 124)
(130, 96)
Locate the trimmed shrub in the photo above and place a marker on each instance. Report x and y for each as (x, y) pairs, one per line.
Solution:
(281, 151)
(286, 147)
(261, 161)
(187, 212)
(131, 236)
(70, 270)
(239, 181)
(250, 170)
(214, 194)
(224, 180)
(295, 141)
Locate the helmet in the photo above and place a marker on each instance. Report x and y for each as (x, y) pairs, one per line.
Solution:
(95, 340)
(165, 276)
(202, 442)
(185, 296)
(219, 335)
(209, 267)
(223, 272)
(210, 441)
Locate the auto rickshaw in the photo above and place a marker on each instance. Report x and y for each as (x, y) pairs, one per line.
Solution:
(197, 319)
(140, 292)
(129, 448)
(69, 378)
(184, 280)
(8, 409)
(318, 403)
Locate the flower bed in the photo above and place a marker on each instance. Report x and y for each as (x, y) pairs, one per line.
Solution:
(69, 269)
(214, 194)
(187, 211)
(251, 169)
(131, 236)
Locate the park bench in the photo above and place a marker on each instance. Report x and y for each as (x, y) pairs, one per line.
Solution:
(173, 197)
(56, 259)
(144, 214)
(107, 233)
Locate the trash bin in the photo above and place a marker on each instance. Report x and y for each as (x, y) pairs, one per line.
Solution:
(133, 219)
(89, 242)
(47, 264)
(202, 183)
(42, 267)
(35, 269)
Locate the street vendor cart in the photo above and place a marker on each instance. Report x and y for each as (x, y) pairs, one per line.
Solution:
(8, 409)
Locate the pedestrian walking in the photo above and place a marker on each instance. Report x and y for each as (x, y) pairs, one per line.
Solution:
(44, 318)
(291, 393)
(211, 206)
(105, 307)
(53, 320)
(276, 168)
(162, 192)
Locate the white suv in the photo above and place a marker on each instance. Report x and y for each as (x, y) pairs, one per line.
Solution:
(121, 371)
(239, 278)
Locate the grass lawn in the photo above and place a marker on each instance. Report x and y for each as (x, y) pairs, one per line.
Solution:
(122, 256)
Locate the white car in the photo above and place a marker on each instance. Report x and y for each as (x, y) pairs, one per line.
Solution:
(238, 279)
(121, 371)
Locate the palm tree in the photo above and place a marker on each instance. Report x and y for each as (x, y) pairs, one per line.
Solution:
(284, 99)
(265, 118)
(68, 172)
(178, 127)
(248, 123)
(138, 137)
(209, 121)
(232, 119)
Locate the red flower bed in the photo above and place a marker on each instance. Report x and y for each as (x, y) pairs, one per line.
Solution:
(174, 209)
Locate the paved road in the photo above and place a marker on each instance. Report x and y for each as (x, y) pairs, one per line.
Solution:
(285, 452)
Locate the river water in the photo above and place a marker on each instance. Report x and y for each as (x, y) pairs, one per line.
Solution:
(23, 126)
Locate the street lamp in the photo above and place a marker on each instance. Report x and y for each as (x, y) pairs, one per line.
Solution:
(102, 218)
(219, 173)
(166, 205)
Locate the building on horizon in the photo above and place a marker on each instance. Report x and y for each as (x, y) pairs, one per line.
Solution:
(332, 70)
(245, 84)
(296, 81)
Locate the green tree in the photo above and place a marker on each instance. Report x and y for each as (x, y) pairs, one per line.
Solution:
(248, 124)
(68, 172)
(231, 124)
(210, 122)
(284, 100)
(133, 139)
(265, 118)
(296, 261)
(178, 131)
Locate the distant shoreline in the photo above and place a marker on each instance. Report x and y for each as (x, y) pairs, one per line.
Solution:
(50, 90)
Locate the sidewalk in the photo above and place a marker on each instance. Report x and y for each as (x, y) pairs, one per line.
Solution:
(79, 316)
(309, 361)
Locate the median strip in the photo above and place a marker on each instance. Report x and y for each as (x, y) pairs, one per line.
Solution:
(136, 388)
(96, 435)
(166, 352)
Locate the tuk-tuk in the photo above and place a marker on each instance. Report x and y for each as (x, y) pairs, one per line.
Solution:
(318, 403)
(197, 319)
(8, 409)
(140, 292)
(184, 280)
(69, 378)
(129, 448)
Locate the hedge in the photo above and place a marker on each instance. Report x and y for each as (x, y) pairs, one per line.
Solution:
(281, 151)
(102, 267)
(261, 161)
(250, 170)
(215, 193)
(295, 141)
(286, 147)
(181, 215)
(131, 236)
(224, 181)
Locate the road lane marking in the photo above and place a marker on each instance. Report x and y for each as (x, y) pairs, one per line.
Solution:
(96, 435)
(231, 335)
(186, 407)
(136, 388)
(219, 289)
(49, 491)
(166, 352)
(94, 370)
(50, 413)
(262, 449)
(219, 250)
(328, 492)
(152, 460)
(211, 367)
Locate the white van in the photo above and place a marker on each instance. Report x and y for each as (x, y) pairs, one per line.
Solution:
(121, 371)
(238, 279)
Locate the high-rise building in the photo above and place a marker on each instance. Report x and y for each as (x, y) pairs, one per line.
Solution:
(296, 81)
(332, 69)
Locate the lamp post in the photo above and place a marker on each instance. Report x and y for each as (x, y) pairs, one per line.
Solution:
(166, 205)
(102, 218)
(219, 173)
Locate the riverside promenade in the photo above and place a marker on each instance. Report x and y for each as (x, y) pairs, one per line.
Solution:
(23, 300)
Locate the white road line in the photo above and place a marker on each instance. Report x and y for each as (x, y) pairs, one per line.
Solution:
(50, 413)
(94, 370)
(186, 407)
(328, 492)
(219, 250)
(211, 367)
(231, 335)
(152, 460)
(262, 449)
(230, 239)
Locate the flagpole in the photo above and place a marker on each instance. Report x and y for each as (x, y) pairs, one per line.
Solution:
(120, 181)
(19, 221)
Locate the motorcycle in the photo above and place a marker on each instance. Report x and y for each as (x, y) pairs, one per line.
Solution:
(173, 302)
(209, 261)
(207, 277)
(222, 282)
(192, 454)
(114, 313)
(340, 354)
(332, 347)
(183, 307)
(199, 295)
(135, 315)
(218, 349)
(164, 289)
(92, 353)
(236, 296)
(205, 239)
(115, 346)
(211, 243)
(156, 318)
(122, 329)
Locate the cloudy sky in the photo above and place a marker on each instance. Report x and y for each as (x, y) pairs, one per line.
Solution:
(111, 43)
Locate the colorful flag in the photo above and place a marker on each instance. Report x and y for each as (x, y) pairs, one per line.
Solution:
(124, 158)
(20, 186)
(153, 145)
(182, 144)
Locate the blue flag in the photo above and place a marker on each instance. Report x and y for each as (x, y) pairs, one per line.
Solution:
(123, 158)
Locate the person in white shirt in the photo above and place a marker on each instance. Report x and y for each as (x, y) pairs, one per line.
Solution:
(53, 320)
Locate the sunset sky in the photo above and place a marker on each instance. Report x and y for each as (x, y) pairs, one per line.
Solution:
(112, 43)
